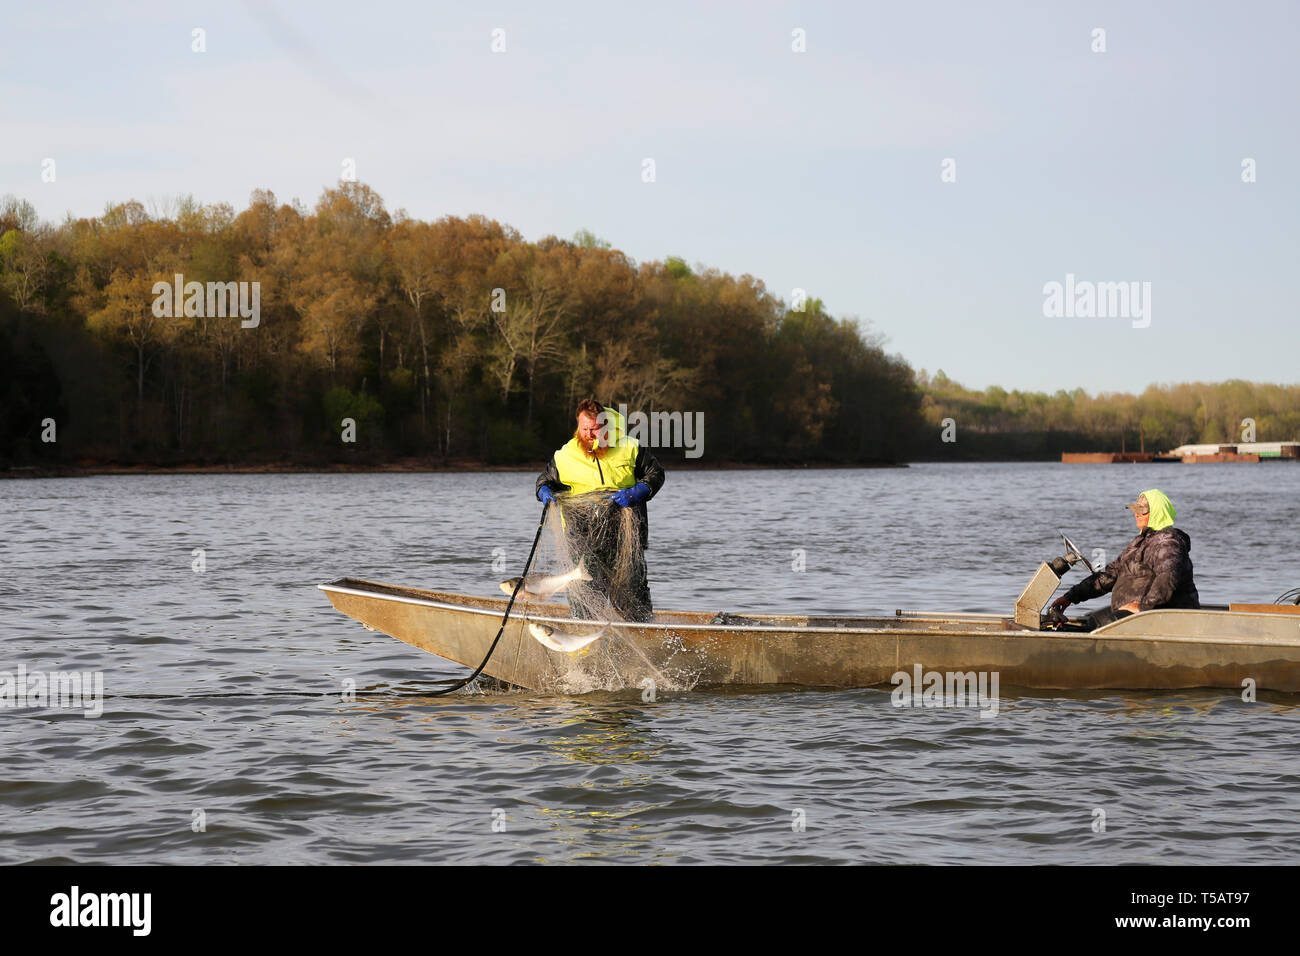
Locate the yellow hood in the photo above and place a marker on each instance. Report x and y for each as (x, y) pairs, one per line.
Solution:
(615, 428)
(1162, 511)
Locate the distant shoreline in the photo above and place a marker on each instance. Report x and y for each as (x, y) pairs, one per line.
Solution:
(403, 466)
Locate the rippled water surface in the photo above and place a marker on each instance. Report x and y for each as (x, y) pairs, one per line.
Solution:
(224, 739)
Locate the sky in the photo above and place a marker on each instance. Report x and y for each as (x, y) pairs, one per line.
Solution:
(821, 169)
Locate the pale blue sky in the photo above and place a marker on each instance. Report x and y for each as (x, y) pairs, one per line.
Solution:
(818, 170)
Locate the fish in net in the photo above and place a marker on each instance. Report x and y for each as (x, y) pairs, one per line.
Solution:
(605, 538)
(590, 554)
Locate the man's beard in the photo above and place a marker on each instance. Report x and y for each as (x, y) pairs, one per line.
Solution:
(598, 452)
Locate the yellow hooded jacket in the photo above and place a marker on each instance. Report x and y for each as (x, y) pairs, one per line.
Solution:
(615, 470)
(625, 463)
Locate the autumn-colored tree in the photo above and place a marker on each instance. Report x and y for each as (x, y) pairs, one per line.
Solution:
(413, 251)
(128, 314)
(334, 307)
(529, 314)
(23, 268)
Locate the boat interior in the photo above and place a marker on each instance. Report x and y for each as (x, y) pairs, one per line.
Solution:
(929, 622)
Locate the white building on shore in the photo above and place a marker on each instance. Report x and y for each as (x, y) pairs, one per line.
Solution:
(1265, 449)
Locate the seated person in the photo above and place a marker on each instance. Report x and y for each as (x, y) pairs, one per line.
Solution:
(1153, 571)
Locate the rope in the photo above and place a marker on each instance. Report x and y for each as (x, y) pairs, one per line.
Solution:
(501, 630)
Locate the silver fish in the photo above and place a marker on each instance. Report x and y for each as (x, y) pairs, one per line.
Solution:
(541, 588)
(565, 643)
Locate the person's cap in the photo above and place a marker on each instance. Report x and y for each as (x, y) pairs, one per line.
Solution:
(1140, 506)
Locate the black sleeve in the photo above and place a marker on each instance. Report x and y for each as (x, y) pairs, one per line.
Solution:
(1097, 584)
(551, 478)
(649, 470)
(1091, 587)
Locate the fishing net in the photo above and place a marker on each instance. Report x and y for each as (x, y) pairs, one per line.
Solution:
(591, 533)
(605, 539)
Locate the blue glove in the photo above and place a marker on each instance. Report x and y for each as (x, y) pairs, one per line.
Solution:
(632, 496)
(545, 495)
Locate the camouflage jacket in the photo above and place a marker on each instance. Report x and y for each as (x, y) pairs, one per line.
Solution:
(1155, 570)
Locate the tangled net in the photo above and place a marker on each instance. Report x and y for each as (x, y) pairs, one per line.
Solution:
(605, 538)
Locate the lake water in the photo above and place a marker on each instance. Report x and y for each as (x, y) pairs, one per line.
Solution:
(224, 739)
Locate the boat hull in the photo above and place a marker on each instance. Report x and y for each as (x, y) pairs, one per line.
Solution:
(1155, 650)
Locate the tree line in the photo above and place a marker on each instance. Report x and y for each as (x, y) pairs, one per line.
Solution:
(446, 340)
(458, 340)
(996, 423)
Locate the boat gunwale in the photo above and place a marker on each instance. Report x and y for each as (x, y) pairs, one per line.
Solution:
(1014, 630)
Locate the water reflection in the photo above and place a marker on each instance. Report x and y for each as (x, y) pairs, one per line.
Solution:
(596, 835)
(598, 729)
(594, 816)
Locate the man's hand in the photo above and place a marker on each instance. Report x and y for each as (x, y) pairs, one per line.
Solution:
(631, 496)
(545, 495)
(1061, 603)
(1132, 607)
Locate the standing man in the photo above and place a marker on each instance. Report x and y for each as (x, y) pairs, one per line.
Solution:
(601, 457)
(1153, 571)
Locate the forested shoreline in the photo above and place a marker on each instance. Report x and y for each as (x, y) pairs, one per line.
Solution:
(453, 339)
(996, 424)
(458, 341)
